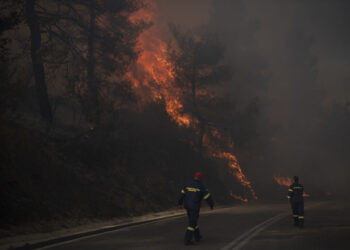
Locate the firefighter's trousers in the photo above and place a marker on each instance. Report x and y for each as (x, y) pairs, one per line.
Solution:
(193, 228)
(298, 211)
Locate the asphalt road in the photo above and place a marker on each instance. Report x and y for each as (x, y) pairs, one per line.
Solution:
(253, 226)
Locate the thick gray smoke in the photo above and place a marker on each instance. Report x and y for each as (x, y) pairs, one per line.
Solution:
(294, 56)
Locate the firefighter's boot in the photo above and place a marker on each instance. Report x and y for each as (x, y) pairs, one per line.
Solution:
(301, 221)
(188, 236)
(197, 234)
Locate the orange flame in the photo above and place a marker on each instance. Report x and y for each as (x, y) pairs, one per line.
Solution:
(155, 70)
(286, 181)
(154, 78)
(211, 141)
(283, 181)
(237, 197)
(237, 170)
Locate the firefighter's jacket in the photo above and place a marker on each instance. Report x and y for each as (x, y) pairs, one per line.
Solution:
(295, 192)
(193, 193)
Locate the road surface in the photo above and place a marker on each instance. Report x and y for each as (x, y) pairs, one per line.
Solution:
(253, 226)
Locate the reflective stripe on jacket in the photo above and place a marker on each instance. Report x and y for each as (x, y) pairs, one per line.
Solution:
(193, 193)
(295, 191)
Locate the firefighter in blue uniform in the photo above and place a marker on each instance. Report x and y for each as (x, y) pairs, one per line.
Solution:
(191, 196)
(295, 196)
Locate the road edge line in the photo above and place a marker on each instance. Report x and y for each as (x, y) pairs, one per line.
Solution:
(85, 235)
(46, 244)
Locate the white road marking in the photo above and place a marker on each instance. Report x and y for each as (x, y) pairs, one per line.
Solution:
(173, 217)
(243, 239)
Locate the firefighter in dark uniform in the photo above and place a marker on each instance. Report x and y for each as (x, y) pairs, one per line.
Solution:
(191, 196)
(295, 196)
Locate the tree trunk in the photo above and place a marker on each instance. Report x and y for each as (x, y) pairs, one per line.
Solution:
(92, 86)
(38, 66)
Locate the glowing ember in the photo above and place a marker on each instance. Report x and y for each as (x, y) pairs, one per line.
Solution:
(237, 197)
(286, 181)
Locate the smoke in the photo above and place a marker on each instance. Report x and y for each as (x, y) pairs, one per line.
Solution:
(292, 56)
(305, 45)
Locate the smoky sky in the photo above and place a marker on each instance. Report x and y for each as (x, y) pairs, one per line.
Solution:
(295, 57)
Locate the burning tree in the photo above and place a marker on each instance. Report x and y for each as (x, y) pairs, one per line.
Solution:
(185, 76)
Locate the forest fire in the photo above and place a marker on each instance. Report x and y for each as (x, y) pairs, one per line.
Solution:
(286, 181)
(153, 79)
(112, 111)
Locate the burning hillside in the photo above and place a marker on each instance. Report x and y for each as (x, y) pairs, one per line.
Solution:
(154, 80)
